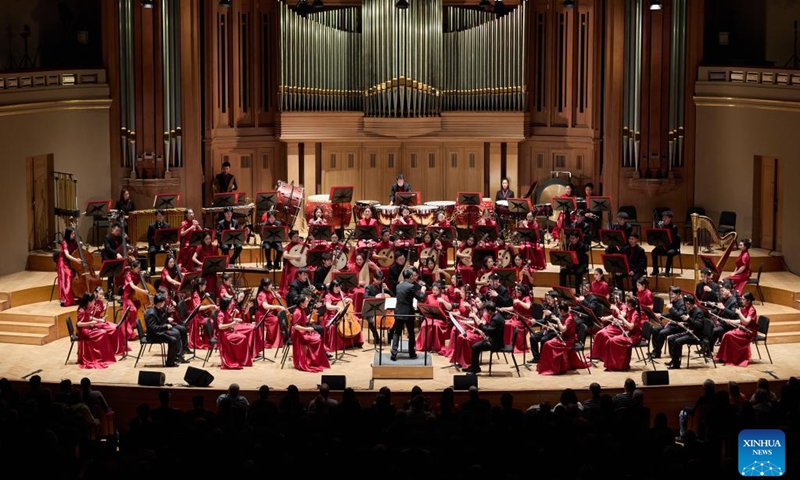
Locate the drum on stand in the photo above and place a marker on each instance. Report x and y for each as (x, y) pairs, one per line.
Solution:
(466, 216)
(423, 215)
(288, 202)
(501, 210)
(361, 205)
(447, 206)
(323, 202)
(387, 214)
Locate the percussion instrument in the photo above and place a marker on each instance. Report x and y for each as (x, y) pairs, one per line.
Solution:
(288, 202)
(466, 216)
(501, 209)
(336, 214)
(543, 211)
(387, 214)
(361, 205)
(448, 206)
(547, 190)
(423, 215)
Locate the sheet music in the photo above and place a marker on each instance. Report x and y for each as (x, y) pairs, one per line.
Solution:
(457, 325)
(391, 303)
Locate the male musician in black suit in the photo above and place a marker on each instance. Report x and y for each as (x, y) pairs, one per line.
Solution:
(322, 271)
(298, 286)
(269, 247)
(727, 307)
(404, 311)
(581, 224)
(707, 289)
(676, 311)
(544, 334)
(397, 268)
(494, 332)
(637, 263)
(588, 301)
(152, 248)
(225, 181)
(399, 185)
(228, 223)
(693, 319)
(161, 329)
(671, 250)
(112, 250)
(579, 269)
(626, 228)
(498, 293)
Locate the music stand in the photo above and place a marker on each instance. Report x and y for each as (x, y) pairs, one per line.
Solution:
(348, 280)
(658, 237)
(321, 232)
(530, 235)
(469, 198)
(445, 234)
(166, 236)
(109, 270)
(613, 238)
(565, 294)
(579, 231)
(563, 258)
(214, 264)
(616, 264)
(480, 254)
(408, 199)
(564, 204)
(365, 232)
(232, 237)
(519, 206)
(314, 257)
(341, 195)
(490, 231)
(98, 208)
(222, 200)
(273, 234)
(186, 283)
(374, 307)
(163, 201)
(198, 236)
(266, 200)
(403, 231)
(432, 312)
(708, 261)
(598, 204)
(508, 277)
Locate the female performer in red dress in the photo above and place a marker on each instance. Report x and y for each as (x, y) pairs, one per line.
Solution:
(532, 250)
(643, 293)
(96, 346)
(130, 284)
(464, 255)
(442, 222)
(268, 307)
(734, 348)
(599, 284)
(64, 272)
(741, 275)
(195, 328)
(483, 275)
(459, 349)
(524, 271)
(171, 277)
(308, 349)
(404, 218)
(433, 333)
(188, 225)
(206, 249)
(521, 310)
(317, 218)
(118, 340)
(289, 270)
(557, 355)
(336, 301)
(618, 347)
(619, 311)
(562, 220)
(235, 338)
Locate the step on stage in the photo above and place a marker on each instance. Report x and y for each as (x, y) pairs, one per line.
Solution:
(407, 368)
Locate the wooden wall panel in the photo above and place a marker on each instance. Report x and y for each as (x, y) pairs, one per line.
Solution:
(380, 164)
(424, 170)
(341, 166)
(463, 169)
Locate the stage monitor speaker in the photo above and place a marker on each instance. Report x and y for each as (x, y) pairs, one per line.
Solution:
(151, 379)
(656, 377)
(197, 377)
(463, 382)
(335, 382)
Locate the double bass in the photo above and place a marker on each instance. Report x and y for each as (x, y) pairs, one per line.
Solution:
(141, 300)
(86, 279)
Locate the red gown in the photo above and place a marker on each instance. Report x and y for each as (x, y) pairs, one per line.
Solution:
(459, 349)
(601, 338)
(740, 279)
(196, 327)
(557, 355)
(601, 288)
(308, 350)
(273, 337)
(533, 252)
(235, 344)
(433, 330)
(96, 347)
(734, 347)
(118, 340)
(166, 283)
(467, 272)
(186, 250)
(65, 274)
(619, 347)
(289, 271)
(645, 297)
(204, 251)
(333, 339)
(517, 321)
(129, 322)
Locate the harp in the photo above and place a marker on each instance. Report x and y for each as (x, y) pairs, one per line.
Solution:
(704, 226)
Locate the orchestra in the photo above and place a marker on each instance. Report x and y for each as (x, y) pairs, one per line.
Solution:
(458, 273)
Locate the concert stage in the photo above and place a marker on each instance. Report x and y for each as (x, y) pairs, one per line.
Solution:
(31, 290)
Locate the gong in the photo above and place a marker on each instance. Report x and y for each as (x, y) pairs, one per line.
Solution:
(549, 189)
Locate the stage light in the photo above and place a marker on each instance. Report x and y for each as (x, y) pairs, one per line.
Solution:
(401, 4)
(485, 4)
(655, 5)
(569, 3)
(225, 3)
(147, 3)
(318, 5)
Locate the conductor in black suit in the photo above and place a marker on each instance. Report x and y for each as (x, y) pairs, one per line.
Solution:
(404, 311)
(152, 248)
(228, 223)
(160, 329)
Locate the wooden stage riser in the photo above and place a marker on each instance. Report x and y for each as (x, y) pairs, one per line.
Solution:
(252, 254)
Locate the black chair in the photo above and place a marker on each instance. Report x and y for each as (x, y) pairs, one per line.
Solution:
(727, 222)
(687, 225)
(757, 282)
(642, 354)
(658, 304)
(73, 337)
(144, 343)
(633, 219)
(657, 215)
(580, 345)
(761, 336)
(506, 349)
(208, 325)
(702, 347)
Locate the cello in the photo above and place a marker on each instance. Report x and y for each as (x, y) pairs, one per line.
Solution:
(141, 300)
(348, 326)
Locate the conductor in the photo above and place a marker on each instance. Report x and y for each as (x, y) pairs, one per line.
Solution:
(408, 290)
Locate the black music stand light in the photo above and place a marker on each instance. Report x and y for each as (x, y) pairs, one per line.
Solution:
(490, 231)
(164, 201)
(109, 270)
(222, 200)
(321, 232)
(198, 236)
(214, 264)
(408, 199)
(375, 307)
(564, 204)
(519, 206)
(365, 232)
(599, 204)
(613, 238)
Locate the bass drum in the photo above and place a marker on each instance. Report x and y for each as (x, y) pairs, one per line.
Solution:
(447, 206)
(288, 202)
(361, 205)
(323, 202)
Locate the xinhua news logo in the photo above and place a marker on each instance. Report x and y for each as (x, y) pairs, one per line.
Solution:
(762, 453)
